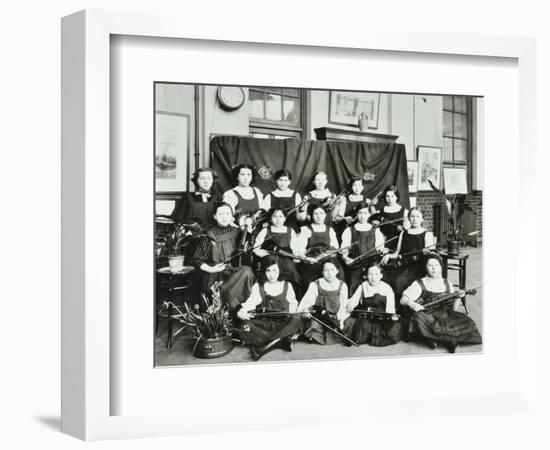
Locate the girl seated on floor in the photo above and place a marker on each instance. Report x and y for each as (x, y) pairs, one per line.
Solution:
(269, 296)
(372, 312)
(325, 301)
(443, 325)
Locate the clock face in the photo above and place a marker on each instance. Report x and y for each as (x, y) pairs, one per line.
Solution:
(230, 97)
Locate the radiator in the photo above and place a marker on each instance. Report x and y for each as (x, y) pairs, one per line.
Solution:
(468, 221)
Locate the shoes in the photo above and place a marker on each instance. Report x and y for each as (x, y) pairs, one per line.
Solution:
(287, 344)
(452, 347)
(431, 344)
(258, 352)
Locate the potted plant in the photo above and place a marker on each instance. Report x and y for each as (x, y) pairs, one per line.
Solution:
(457, 205)
(211, 327)
(173, 239)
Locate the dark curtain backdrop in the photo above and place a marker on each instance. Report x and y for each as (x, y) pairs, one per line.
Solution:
(341, 160)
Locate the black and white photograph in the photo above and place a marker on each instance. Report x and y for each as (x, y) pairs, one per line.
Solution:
(295, 237)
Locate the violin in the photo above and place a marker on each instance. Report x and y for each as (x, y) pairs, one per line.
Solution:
(445, 300)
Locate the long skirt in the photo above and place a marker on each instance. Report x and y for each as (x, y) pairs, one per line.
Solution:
(443, 325)
(378, 333)
(236, 287)
(316, 332)
(259, 332)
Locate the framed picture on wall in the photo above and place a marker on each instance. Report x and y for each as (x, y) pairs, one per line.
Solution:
(429, 167)
(412, 174)
(345, 108)
(454, 180)
(171, 152)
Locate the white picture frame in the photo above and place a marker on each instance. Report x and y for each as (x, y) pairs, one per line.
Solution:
(88, 213)
(429, 167)
(454, 180)
(412, 174)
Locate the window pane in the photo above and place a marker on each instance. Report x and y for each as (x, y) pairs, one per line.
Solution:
(291, 92)
(291, 110)
(273, 109)
(461, 126)
(460, 151)
(256, 101)
(447, 123)
(447, 150)
(460, 104)
(448, 102)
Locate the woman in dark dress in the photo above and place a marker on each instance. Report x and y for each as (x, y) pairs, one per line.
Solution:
(444, 325)
(347, 206)
(198, 206)
(278, 236)
(381, 327)
(327, 297)
(320, 195)
(368, 238)
(406, 264)
(212, 258)
(314, 239)
(269, 295)
(392, 211)
(243, 198)
(284, 198)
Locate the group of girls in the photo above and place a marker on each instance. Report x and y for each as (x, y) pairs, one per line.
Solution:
(326, 268)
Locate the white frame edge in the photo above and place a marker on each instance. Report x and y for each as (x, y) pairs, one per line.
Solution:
(86, 176)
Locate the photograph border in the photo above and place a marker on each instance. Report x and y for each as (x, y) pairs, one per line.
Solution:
(85, 196)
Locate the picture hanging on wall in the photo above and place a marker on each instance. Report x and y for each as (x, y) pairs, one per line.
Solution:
(429, 167)
(412, 174)
(346, 107)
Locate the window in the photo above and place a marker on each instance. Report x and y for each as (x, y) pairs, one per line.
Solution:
(457, 131)
(277, 113)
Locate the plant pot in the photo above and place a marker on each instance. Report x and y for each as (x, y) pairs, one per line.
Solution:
(213, 347)
(453, 247)
(175, 263)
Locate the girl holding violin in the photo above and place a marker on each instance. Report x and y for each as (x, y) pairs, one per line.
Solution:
(215, 257)
(406, 264)
(284, 198)
(279, 237)
(326, 299)
(320, 195)
(270, 295)
(392, 217)
(346, 206)
(198, 206)
(368, 238)
(371, 309)
(444, 324)
(243, 198)
(313, 240)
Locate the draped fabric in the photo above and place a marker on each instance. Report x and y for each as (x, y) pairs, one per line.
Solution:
(341, 161)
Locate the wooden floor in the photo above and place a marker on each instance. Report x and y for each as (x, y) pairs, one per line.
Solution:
(181, 351)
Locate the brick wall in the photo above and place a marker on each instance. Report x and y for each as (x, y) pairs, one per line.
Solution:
(426, 200)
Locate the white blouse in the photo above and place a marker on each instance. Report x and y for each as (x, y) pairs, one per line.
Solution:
(414, 291)
(367, 290)
(274, 289)
(281, 194)
(247, 193)
(282, 230)
(429, 239)
(309, 298)
(346, 236)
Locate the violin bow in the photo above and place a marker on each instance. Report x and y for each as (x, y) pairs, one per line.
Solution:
(372, 250)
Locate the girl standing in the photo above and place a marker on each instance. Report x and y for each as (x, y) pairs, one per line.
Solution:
(320, 195)
(344, 212)
(284, 198)
(391, 212)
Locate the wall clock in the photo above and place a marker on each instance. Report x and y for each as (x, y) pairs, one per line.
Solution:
(231, 98)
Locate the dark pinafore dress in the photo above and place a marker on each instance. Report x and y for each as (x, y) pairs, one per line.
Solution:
(375, 332)
(443, 325)
(328, 301)
(258, 332)
(237, 281)
(400, 273)
(286, 204)
(314, 202)
(348, 212)
(288, 269)
(318, 242)
(366, 241)
(245, 207)
(390, 230)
